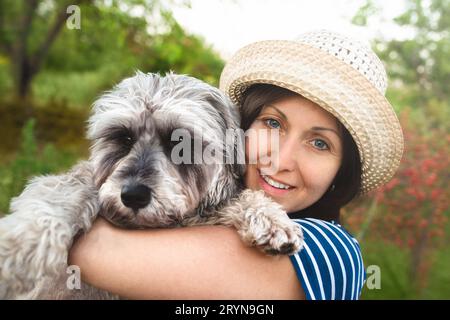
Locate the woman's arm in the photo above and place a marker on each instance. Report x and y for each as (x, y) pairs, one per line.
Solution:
(207, 262)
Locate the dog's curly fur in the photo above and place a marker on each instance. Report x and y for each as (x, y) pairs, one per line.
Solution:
(130, 129)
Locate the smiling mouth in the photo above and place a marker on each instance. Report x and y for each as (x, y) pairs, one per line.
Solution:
(275, 184)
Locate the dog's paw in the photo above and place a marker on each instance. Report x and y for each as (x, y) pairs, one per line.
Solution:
(268, 227)
(277, 237)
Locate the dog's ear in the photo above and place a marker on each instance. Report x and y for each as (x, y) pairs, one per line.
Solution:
(229, 112)
(229, 182)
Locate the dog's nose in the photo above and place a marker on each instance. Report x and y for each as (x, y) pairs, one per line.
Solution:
(135, 196)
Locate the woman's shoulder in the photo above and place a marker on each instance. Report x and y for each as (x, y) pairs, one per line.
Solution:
(329, 230)
(330, 265)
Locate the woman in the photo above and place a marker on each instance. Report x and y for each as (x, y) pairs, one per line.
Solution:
(338, 137)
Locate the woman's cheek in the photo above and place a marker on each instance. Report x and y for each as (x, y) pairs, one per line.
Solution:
(319, 173)
(251, 177)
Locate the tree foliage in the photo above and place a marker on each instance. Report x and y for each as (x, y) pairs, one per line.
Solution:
(116, 36)
(418, 67)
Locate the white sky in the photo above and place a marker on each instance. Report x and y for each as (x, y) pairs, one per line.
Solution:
(230, 24)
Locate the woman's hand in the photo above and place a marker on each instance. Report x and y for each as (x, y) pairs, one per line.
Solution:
(207, 262)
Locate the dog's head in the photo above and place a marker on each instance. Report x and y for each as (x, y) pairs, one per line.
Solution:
(164, 148)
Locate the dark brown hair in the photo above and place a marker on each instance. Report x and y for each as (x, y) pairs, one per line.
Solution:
(347, 181)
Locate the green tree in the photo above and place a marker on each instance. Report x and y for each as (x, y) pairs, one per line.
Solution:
(26, 38)
(118, 35)
(183, 53)
(418, 67)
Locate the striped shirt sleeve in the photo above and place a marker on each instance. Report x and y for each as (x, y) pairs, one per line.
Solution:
(330, 265)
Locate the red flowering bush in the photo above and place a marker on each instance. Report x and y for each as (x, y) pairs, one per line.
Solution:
(412, 210)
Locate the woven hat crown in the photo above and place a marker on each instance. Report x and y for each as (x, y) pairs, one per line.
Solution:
(352, 52)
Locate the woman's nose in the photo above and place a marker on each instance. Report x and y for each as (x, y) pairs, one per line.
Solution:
(287, 155)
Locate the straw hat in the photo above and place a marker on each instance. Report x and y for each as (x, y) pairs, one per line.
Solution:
(342, 76)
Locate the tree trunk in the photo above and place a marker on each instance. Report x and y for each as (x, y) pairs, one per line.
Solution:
(20, 57)
(29, 64)
(23, 77)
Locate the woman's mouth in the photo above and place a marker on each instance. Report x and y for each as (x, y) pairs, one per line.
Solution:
(272, 186)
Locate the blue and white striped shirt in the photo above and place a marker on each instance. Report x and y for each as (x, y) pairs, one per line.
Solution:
(329, 266)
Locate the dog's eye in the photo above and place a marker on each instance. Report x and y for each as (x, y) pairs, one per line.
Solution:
(173, 143)
(120, 135)
(127, 140)
(182, 152)
(123, 138)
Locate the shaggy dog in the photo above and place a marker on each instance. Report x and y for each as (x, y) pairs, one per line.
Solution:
(147, 136)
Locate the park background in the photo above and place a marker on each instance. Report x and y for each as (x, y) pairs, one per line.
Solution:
(50, 73)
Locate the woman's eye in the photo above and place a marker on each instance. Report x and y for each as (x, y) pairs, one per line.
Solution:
(272, 123)
(320, 144)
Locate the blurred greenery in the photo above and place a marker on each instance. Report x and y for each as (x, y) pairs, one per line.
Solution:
(115, 39)
(395, 283)
(418, 70)
(50, 75)
(418, 67)
(31, 160)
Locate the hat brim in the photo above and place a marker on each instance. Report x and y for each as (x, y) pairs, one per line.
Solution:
(333, 85)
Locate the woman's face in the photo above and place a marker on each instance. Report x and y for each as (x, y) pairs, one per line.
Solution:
(309, 153)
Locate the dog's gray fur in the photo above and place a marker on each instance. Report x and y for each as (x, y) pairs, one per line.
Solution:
(130, 129)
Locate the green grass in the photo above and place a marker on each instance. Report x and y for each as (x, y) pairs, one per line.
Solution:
(394, 266)
(393, 263)
(439, 281)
